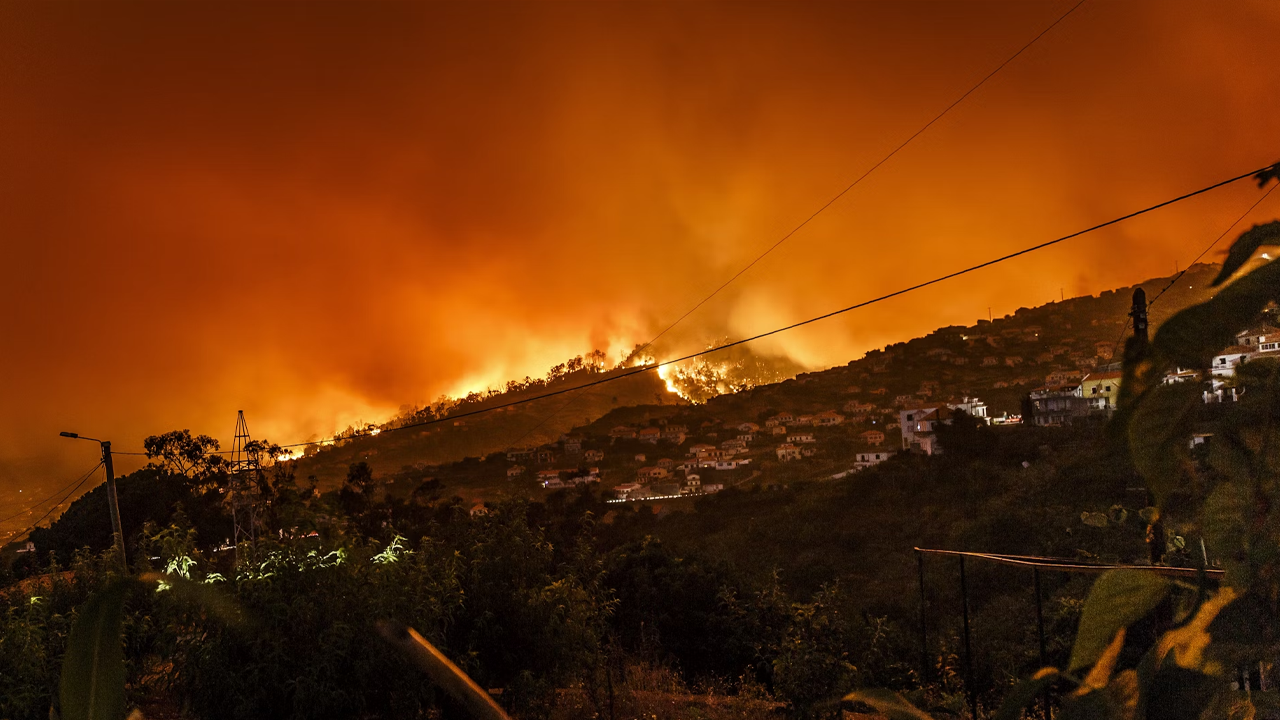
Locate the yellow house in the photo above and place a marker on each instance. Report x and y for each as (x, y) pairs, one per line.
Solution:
(1101, 390)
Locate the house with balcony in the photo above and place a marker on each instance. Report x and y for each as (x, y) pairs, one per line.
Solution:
(1054, 405)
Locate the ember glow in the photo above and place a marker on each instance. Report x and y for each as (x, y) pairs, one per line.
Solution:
(321, 213)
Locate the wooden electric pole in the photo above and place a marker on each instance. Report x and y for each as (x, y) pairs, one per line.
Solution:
(1155, 533)
(113, 502)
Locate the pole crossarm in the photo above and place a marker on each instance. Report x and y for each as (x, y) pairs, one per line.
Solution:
(1073, 566)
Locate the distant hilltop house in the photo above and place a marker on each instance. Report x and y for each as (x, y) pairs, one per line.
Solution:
(853, 406)
(801, 438)
(872, 437)
(649, 435)
(639, 457)
(622, 432)
(515, 471)
(665, 463)
(865, 460)
(1063, 377)
(593, 456)
(1256, 337)
(990, 361)
(573, 444)
(748, 427)
(520, 454)
(1013, 360)
(626, 489)
(550, 478)
(827, 418)
(652, 473)
(787, 452)
(545, 456)
(700, 449)
(785, 418)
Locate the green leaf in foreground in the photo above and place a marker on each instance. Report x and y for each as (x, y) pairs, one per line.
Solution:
(1118, 599)
(1025, 693)
(92, 686)
(1157, 429)
(1246, 245)
(888, 703)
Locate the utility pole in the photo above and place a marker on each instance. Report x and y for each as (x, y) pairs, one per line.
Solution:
(113, 502)
(1155, 533)
(1139, 314)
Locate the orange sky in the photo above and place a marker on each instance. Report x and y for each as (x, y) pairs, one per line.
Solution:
(317, 212)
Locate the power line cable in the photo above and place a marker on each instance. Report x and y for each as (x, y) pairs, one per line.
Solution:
(646, 368)
(826, 205)
(35, 505)
(83, 479)
(864, 175)
(1204, 252)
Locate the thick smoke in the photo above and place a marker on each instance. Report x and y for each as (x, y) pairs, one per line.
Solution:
(320, 213)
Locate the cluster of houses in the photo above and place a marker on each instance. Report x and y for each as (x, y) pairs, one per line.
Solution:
(692, 485)
(1065, 398)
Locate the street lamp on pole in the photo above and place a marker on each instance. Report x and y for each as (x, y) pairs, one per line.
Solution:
(112, 502)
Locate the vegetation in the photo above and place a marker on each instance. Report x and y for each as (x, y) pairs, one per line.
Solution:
(782, 593)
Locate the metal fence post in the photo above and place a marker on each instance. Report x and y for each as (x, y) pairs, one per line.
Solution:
(1044, 696)
(924, 638)
(968, 649)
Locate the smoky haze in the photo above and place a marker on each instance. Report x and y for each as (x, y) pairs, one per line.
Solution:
(320, 212)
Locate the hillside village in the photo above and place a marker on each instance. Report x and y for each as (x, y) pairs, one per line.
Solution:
(1052, 365)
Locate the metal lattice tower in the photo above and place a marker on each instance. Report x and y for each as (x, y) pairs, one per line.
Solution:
(239, 459)
(242, 495)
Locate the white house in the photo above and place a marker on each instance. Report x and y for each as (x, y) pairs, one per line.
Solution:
(787, 452)
(867, 459)
(801, 438)
(1225, 362)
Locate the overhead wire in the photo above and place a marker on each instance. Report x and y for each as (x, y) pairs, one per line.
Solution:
(870, 170)
(77, 484)
(826, 205)
(1217, 240)
(918, 286)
